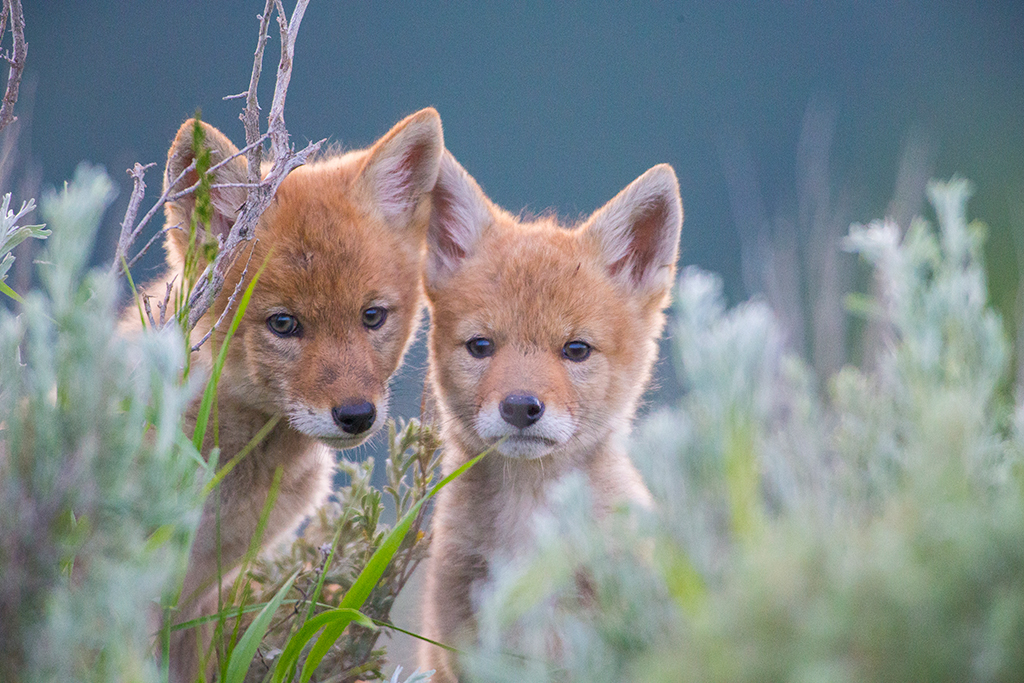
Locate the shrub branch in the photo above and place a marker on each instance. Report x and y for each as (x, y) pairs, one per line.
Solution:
(19, 52)
(261, 190)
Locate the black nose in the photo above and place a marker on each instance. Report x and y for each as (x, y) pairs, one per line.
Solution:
(354, 418)
(521, 411)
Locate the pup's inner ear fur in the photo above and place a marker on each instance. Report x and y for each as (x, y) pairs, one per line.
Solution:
(459, 215)
(637, 232)
(227, 201)
(402, 167)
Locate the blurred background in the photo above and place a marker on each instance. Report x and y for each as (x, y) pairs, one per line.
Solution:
(784, 121)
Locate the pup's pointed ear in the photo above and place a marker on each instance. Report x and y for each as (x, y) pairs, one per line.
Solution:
(459, 214)
(227, 201)
(401, 168)
(637, 232)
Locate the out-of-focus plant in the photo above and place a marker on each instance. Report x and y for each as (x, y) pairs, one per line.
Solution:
(12, 234)
(96, 480)
(873, 534)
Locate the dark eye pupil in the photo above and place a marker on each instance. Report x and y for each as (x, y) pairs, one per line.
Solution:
(576, 350)
(480, 347)
(283, 324)
(374, 316)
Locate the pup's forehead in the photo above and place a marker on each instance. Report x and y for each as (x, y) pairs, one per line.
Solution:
(322, 259)
(533, 285)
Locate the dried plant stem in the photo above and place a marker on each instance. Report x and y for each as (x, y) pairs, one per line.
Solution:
(152, 239)
(250, 115)
(231, 301)
(127, 235)
(19, 52)
(260, 196)
(130, 230)
(261, 190)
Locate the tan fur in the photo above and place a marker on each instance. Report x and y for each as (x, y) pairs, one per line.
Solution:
(531, 288)
(343, 234)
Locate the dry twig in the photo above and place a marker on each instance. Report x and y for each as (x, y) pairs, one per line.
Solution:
(231, 301)
(154, 238)
(19, 52)
(130, 230)
(137, 173)
(262, 194)
(261, 190)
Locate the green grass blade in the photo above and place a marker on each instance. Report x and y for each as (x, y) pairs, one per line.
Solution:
(290, 655)
(230, 464)
(374, 569)
(327, 564)
(298, 640)
(244, 652)
(203, 417)
(11, 293)
(230, 611)
(165, 647)
(417, 636)
(135, 292)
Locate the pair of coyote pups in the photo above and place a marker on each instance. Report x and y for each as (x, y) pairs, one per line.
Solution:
(540, 335)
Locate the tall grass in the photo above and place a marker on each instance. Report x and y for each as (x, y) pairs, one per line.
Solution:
(873, 533)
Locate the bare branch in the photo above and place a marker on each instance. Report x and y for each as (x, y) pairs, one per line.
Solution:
(6, 12)
(213, 169)
(259, 197)
(126, 241)
(130, 240)
(162, 305)
(17, 61)
(251, 113)
(138, 192)
(217, 186)
(289, 32)
(152, 239)
(149, 311)
(231, 301)
(261, 190)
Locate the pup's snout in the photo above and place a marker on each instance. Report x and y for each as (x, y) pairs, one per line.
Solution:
(354, 418)
(521, 411)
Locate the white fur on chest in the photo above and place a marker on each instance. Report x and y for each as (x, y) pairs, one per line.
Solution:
(512, 530)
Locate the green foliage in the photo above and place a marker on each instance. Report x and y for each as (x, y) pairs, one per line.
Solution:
(12, 234)
(97, 483)
(873, 534)
(348, 560)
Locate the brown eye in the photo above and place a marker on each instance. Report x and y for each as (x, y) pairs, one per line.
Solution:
(480, 347)
(374, 317)
(284, 325)
(577, 351)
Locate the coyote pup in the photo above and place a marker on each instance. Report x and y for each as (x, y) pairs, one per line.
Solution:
(543, 336)
(327, 325)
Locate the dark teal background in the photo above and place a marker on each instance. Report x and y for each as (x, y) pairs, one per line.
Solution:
(562, 104)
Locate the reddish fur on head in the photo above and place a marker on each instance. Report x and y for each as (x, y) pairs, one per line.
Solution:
(533, 287)
(343, 234)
